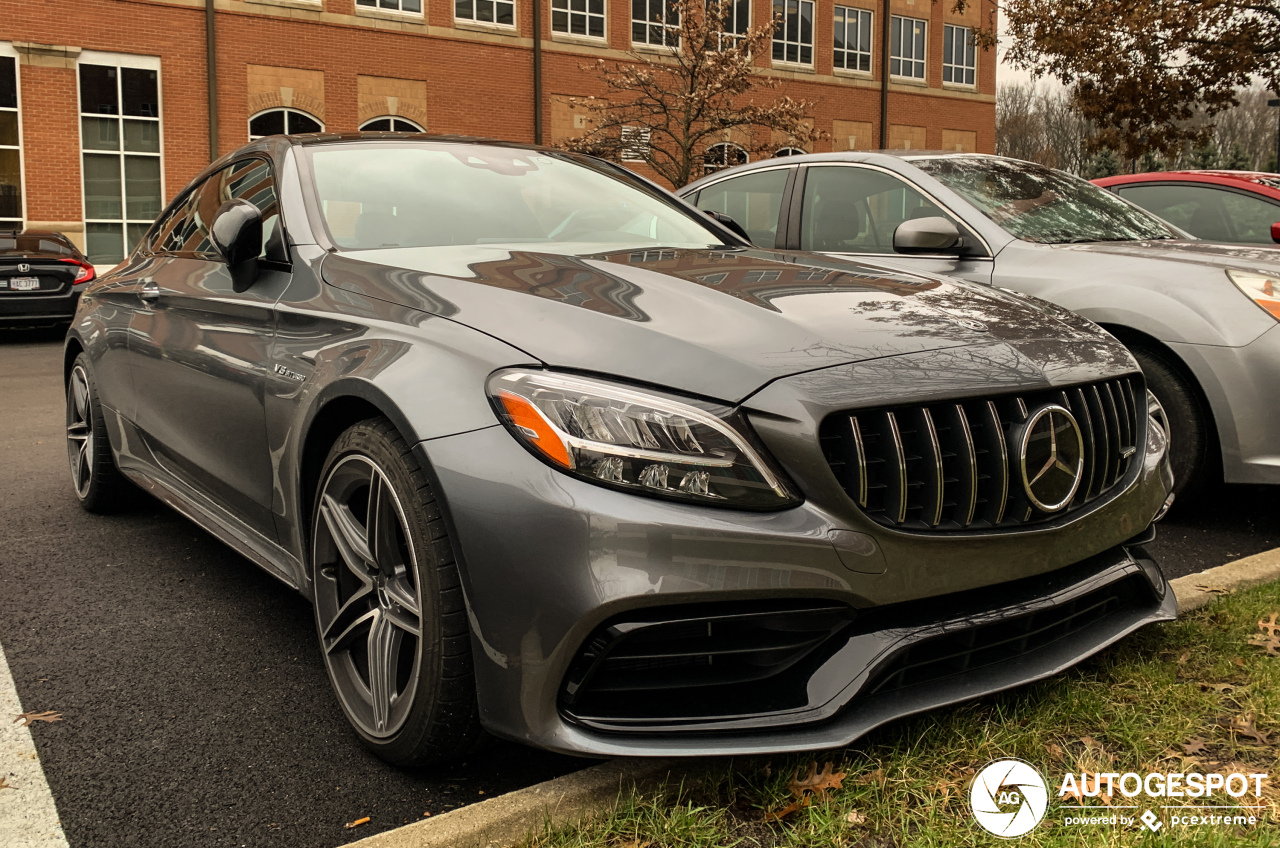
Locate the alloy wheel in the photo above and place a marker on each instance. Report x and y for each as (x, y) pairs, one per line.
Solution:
(368, 604)
(80, 431)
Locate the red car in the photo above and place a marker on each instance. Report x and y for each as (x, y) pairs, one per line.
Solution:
(1235, 207)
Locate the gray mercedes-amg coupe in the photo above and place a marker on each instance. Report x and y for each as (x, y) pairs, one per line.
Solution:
(561, 458)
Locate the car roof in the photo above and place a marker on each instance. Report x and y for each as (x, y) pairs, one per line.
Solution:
(1256, 181)
(29, 241)
(868, 156)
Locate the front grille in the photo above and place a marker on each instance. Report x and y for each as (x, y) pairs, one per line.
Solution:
(683, 664)
(951, 466)
(962, 651)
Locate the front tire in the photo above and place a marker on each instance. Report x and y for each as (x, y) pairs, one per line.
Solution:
(390, 614)
(98, 484)
(1190, 444)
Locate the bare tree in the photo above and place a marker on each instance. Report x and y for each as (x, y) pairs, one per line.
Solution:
(668, 107)
(1041, 124)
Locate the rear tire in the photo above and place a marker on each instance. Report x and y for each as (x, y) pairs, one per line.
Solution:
(1190, 433)
(95, 479)
(390, 613)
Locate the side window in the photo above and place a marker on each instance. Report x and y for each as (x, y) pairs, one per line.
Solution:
(856, 210)
(1250, 217)
(753, 200)
(1196, 209)
(253, 182)
(185, 231)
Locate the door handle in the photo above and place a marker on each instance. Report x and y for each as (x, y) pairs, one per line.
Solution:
(150, 290)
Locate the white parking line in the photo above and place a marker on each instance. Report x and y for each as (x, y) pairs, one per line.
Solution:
(28, 818)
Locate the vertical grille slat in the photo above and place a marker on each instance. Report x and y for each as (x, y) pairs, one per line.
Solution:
(951, 465)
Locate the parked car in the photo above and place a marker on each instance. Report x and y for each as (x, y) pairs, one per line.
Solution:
(41, 277)
(559, 457)
(1230, 207)
(1201, 318)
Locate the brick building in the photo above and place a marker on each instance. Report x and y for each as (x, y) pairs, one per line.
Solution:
(107, 107)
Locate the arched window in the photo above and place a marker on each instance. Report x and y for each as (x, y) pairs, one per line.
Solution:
(390, 124)
(726, 154)
(791, 151)
(282, 121)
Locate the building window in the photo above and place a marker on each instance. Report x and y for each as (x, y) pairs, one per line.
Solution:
(390, 124)
(635, 143)
(959, 62)
(793, 39)
(655, 22)
(907, 47)
(726, 154)
(282, 122)
(737, 20)
(791, 151)
(10, 152)
(409, 7)
(578, 17)
(853, 39)
(120, 150)
(501, 12)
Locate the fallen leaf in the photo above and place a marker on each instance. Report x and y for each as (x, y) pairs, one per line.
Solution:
(1243, 725)
(1194, 746)
(785, 811)
(1090, 742)
(47, 715)
(876, 776)
(855, 817)
(356, 823)
(1182, 660)
(1214, 590)
(817, 782)
(635, 843)
(1238, 661)
(1270, 627)
(1055, 751)
(1270, 644)
(4, 784)
(1220, 688)
(425, 815)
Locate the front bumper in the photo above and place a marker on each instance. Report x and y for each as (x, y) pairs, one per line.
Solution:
(547, 560)
(1240, 384)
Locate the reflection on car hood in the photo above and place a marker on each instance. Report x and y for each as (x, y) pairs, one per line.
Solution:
(1194, 252)
(718, 323)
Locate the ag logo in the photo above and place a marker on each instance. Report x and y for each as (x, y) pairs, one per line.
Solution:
(1008, 798)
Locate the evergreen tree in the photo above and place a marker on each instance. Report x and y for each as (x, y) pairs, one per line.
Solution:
(1103, 164)
(1205, 156)
(1150, 163)
(1239, 160)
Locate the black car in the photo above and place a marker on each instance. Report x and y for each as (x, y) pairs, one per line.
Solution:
(559, 457)
(41, 277)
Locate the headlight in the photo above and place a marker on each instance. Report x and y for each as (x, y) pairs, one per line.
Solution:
(636, 441)
(1263, 289)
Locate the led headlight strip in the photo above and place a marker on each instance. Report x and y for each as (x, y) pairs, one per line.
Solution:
(629, 439)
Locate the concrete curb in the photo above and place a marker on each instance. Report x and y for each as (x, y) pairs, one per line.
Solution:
(507, 819)
(1196, 590)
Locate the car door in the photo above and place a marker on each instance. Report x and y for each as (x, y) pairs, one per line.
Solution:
(1208, 212)
(200, 352)
(853, 210)
(754, 200)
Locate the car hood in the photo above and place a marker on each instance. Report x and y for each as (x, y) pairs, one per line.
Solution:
(716, 323)
(1207, 253)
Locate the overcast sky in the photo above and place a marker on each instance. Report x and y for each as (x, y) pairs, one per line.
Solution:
(1006, 72)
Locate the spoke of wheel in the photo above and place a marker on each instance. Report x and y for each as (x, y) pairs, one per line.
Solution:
(348, 536)
(384, 655)
(83, 466)
(353, 619)
(78, 430)
(80, 388)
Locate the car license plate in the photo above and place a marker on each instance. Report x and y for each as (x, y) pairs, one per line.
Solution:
(24, 283)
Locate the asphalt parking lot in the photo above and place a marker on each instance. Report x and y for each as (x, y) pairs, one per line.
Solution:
(196, 708)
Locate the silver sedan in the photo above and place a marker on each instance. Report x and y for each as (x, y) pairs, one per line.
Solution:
(1203, 319)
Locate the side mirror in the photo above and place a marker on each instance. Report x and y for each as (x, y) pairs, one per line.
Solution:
(1275, 232)
(927, 235)
(237, 233)
(729, 222)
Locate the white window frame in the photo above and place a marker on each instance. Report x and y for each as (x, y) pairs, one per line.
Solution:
(733, 36)
(670, 31)
(782, 35)
(119, 61)
(968, 64)
(789, 151)
(708, 169)
(475, 10)
(898, 25)
(286, 110)
(566, 6)
(859, 18)
(416, 126)
(6, 50)
(376, 6)
(635, 141)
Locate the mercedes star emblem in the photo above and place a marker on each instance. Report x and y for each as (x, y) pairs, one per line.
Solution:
(1051, 453)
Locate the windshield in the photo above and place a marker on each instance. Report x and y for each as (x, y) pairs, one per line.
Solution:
(1038, 204)
(429, 195)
